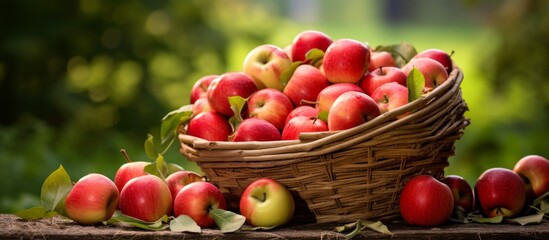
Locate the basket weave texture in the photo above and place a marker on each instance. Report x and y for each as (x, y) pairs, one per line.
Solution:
(346, 175)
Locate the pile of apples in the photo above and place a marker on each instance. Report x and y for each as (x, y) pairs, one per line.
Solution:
(314, 84)
(146, 197)
(426, 201)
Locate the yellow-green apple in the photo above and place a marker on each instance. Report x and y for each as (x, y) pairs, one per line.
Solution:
(228, 85)
(200, 87)
(196, 200)
(147, 198)
(462, 191)
(305, 84)
(534, 170)
(301, 124)
(271, 105)
(329, 94)
(267, 203)
(381, 59)
(434, 73)
(211, 126)
(351, 109)
(256, 129)
(346, 61)
(440, 56)
(92, 199)
(372, 80)
(201, 105)
(304, 110)
(306, 41)
(390, 96)
(426, 202)
(500, 192)
(177, 180)
(128, 171)
(265, 64)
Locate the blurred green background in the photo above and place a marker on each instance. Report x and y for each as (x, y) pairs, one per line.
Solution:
(80, 80)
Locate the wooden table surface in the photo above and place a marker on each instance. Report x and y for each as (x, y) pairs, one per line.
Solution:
(11, 227)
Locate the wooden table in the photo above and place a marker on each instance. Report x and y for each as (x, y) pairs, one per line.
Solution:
(11, 227)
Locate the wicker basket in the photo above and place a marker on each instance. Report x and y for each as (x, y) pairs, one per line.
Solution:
(346, 175)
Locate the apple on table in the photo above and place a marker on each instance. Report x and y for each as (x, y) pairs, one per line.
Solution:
(534, 171)
(464, 196)
(177, 180)
(267, 203)
(147, 198)
(500, 192)
(196, 200)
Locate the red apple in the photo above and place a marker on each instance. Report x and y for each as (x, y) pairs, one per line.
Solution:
(147, 198)
(305, 84)
(306, 41)
(196, 200)
(265, 64)
(346, 61)
(228, 85)
(301, 124)
(426, 202)
(372, 80)
(434, 73)
(267, 203)
(328, 95)
(462, 191)
(92, 199)
(500, 192)
(351, 109)
(211, 126)
(128, 171)
(390, 96)
(200, 87)
(440, 56)
(256, 129)
(177, 180)
(201, 105)
(381, 59)
(534, 170)
(304, 110)
(271, 105)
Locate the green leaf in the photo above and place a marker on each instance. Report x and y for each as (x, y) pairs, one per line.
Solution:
(33, 213)
(480, 219)
(159, 168)
(323, 115)
(286, 75)
(237, 104)
(541, 199)
(227, 221)
(360, 225)
(150, 148)
(184, 223)
(415, 83)
(158, 225)
(402, 53)
(172, 120)
(55, 189)
(530, 219)
(346, 227)
(250, 228)
(378, 227)
(315, 57)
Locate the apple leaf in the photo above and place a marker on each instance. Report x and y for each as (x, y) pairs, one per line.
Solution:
(237, 104)
(54, 191)
(360, 225)
(158, 168)
(184, 223)
(35, 213)
(529, 219)
(481, 219)
(541, 199)
(286, 75)
(150, 148)
(227, 221)
(172, 120)
(250, 228)
(157, 225)
(415, 83)
(315, 57)
(402, 53)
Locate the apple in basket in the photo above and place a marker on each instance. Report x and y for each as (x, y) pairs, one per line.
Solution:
(267, 203)
(147, 198)
(200, 87)
(227, 85)
(380, 59)
(434, 72)
(372, 80)
(500, 192)
(265, 64)
(301, 124)
(304, 110)
(346, 61)
(534, 170)
(270, 105)
(426, 202)
(196, 200)
(211, 126)
(350, 110)
(92, 199)
(328, 95)
(306, 41)
(256, 129)
(305, 84)
(390, 96)
(438, 55)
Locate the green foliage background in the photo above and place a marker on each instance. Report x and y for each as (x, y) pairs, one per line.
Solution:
(79, 80)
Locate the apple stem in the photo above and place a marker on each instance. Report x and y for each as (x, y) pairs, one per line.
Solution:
(307, 102)
(381, 69)
(452, 53)
(126, 156)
